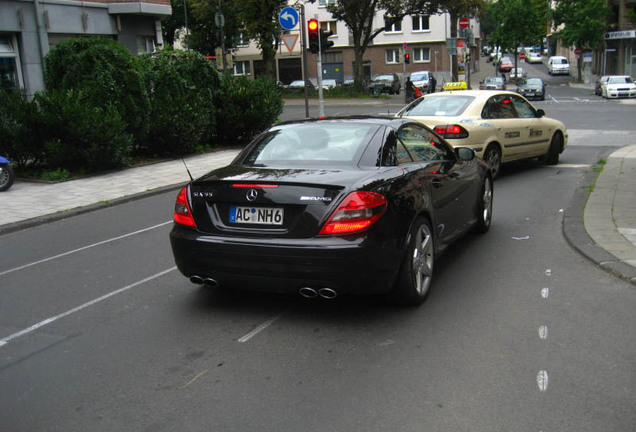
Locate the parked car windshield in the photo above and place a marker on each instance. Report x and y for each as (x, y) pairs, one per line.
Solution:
(493, 79)
(620, 80)
(440, 105)
(383, 78)
(419, 77)
(534, 81)
(311, 143)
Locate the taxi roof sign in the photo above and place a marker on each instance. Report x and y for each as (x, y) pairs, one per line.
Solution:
(455, 85)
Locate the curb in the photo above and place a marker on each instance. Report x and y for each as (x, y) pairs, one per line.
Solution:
(40, 220)
(577, 237)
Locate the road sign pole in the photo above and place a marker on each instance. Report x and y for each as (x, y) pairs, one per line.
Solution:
(303, 38)
(321, 99)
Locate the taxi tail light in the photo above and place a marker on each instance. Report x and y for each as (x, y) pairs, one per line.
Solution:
(357, 212)
(451, 131)
(182, 212)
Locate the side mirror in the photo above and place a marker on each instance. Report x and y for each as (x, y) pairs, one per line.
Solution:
(465, 154)
(540, 113)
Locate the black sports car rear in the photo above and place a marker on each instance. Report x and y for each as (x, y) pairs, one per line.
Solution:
(330, 207)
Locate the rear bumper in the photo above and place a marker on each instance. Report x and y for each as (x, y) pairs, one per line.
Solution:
(353, 265)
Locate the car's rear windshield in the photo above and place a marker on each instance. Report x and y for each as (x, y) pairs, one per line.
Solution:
(312, 143)
(440, 105)
(383, 78)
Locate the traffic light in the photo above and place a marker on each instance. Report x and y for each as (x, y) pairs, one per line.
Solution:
(314, 38)
(407, 58)
(325, 43)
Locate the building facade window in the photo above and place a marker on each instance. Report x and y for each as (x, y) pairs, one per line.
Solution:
(242, 68)
(329, 26)
(242, 40)
(392, 56)
(145, 44)
(10, 71)
(421, 23)
(422, 55)
(392, 28)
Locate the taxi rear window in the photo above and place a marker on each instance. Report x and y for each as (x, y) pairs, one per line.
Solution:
(439, 106)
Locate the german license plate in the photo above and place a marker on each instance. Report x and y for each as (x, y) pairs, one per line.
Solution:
(256, 215)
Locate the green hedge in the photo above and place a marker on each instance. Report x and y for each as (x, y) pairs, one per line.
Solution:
(184, 89)
(103, 107)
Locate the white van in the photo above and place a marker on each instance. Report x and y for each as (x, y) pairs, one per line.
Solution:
(558, 65)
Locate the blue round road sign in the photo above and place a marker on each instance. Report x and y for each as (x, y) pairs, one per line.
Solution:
(288, 18)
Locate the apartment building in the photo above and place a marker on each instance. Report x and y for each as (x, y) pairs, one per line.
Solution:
(619, 54)
(30, 28)
(423, 37)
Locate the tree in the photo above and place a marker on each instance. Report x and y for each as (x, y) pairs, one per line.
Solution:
(260, 21)
(519, 24)
(583, 23)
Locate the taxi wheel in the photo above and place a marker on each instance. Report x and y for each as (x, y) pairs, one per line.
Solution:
(492, 156)
(552, 156)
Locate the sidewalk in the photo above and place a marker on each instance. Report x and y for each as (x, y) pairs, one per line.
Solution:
(601, 225)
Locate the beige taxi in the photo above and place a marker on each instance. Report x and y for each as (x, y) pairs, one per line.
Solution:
(501, 126)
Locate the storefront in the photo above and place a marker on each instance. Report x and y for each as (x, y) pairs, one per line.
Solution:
(620, 53)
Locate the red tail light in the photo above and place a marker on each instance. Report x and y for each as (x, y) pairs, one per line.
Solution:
(182, 213)
(357, 212)
(451, 131)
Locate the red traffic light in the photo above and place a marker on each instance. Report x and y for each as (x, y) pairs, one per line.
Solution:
(314, 37)
(407, 58)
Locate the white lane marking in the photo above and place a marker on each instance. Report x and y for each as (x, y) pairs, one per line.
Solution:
(543, 332)
(548, 272)
(545, 293)
(542, 380)
(34, 327)
(262, 327)
(83, 248)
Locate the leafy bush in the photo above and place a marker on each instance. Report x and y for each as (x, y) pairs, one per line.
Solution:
(106, 74)
(248, 108)
(183, 88)
(21, 137)
(81, 137)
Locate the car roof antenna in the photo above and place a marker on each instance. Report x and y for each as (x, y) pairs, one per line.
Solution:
(186, 167)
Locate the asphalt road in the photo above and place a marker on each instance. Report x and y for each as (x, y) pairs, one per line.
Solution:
(520, 332)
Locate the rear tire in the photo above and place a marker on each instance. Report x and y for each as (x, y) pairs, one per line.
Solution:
(492, 156)
(552, 156)
(416, 272)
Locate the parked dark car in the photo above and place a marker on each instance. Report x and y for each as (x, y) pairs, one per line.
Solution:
(321, 208)
(532, 88)
(385, 83)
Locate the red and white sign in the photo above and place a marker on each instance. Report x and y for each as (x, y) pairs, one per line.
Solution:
(460, 43)
(577, 51)
(464, 22)
(290, 41)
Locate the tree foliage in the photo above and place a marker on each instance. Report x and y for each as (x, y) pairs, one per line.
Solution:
(260, 20)
(580, 23)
